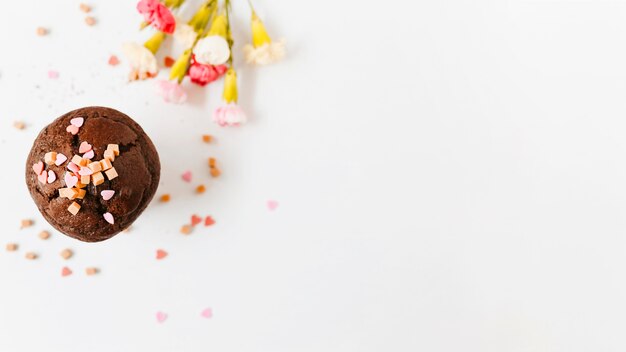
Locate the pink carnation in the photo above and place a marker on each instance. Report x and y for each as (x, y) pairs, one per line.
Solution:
(203, 74)
(157, 15)
(171, 92)
(229, 115)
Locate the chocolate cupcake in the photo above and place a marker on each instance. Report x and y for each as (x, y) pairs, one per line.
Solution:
(92, 172)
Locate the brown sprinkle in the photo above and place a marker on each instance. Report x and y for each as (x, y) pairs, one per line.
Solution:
(90, 20)
(207, 138)
(26, 223)
(85, 8)
(31, 255)
(44, 235)
(200, 189)
(186, 229)
(165, 198)
(19, 125)
(11, 247)
(41, 31)
(67, 253)
(91, 271)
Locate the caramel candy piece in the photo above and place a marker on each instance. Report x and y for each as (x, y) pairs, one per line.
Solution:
(44, 235)
(212, 162)
(78, 160)
(186, 229)
(41, 31)
(66, 253)
(26, 223)
(50, 158)
(81, 193)
(91, 271)
(165, 198)
(31, 256)
(69, 193)
(111, 173)
(11, 247)
(81, 185)
(215, 172)
(95, 166)
(85, 179)
(85, 8)
(74, 208)
(90, 21)
(200, 189)
(115, 148)
(207, 138)
(105, 164)
(109, 154)
(97, 178)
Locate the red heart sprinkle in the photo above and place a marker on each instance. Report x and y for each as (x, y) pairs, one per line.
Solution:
(160, 254)
(208, 221)
(195, 220)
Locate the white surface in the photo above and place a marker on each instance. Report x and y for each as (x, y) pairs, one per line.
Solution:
(450, 177)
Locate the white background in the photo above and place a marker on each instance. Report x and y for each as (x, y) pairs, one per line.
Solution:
(450, 174)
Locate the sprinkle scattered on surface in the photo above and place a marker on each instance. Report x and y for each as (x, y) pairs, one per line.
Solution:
(19, 125)
(165, 198)
(31, 256)
(201, 189)
(186, 176)
(208, 221)
(66, 271)
(51, 176)
(160, 254)
(67, 253)
(168, 61)
(53, 74)
(90, 21)
(109, 218)
(161, 317)
(272, 205)
(90, 271)
(11, 247)
(212, 162)
(26, 223)
(186, 229)
(72, 129)
(107, 194)
(77, 121)
(207, 313)
(60, 159)
(85, 8)
(195, 220)
(41, 31)
(44, 235)
(207, 138)
(114, 61)
(215, 172)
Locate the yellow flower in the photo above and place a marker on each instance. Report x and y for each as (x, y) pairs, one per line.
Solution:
(154, 43)
(230, 86)
(262, 51)
(179, 69)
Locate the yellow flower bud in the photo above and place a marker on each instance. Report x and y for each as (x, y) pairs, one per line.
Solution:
(154, 43)
(179, 69)
(201, 18)
(259, 34)
(219, 26)
(174, 4)
(230, 86)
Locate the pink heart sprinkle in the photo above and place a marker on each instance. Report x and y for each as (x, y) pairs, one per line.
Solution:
(72, 129)
(89, 155)
(207, 313)
(272, 205)
(107, 194)
(51, 176)
(160, 317)
(53, 74)
(38, 168)
(43, 177)
(73, 167)
(187, 176)
(85, 171)
(77, 121)
(70, 180)
(60, 159)
(84, 147)
(109, 218)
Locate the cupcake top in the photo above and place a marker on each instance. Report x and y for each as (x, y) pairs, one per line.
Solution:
(92, 172)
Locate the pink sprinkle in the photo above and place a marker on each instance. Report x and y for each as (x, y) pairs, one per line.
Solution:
(73, 167)
(107, 194)
(207, 313)
(109, 218)
(70, 180)
(187, 176)
(53, 74)
(160, 317)
(72, 129)
(38, 168)
(60, 159)
(51, 176)
(272, 205)
(77, 121)
(85, 171)
(84, 147)
(43, 177)
(113, 60)
(89, 155)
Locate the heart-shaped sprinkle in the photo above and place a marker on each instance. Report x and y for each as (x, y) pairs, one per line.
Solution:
(89, 155)
(208, 221)
(72, 129)
(195, 220)
(66, 271)
(85, 171)
(272, 205)
(207, 313)
(84, 147)
(53, 74)
(61, 158)
(73, 167)
(51, 176)
(187, 176)
(77, 121)
(160, 254)
(43, 177)
(161, 317)
(109, 218)
(70, 180)
(38, 168)
(107, 194)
